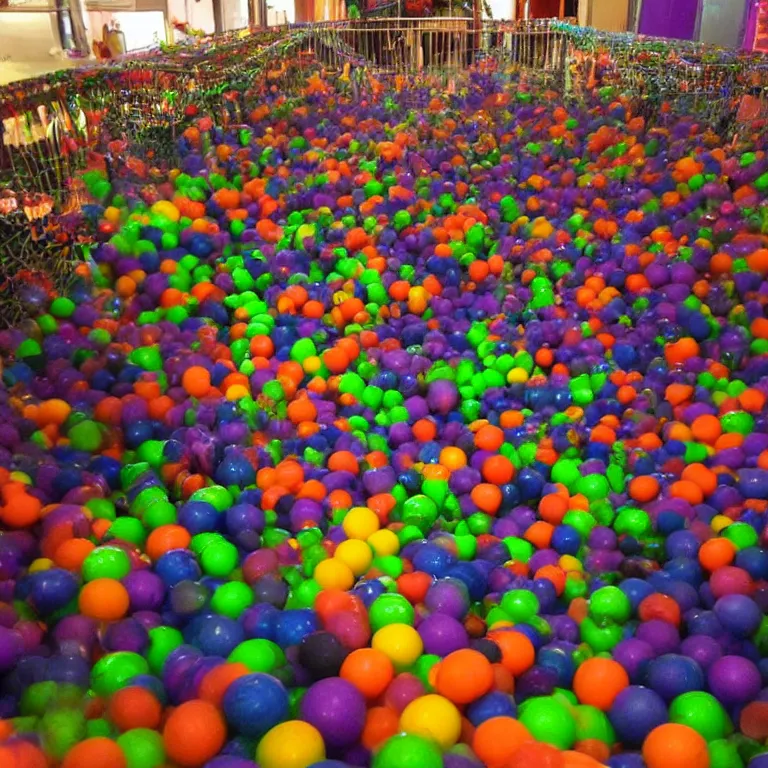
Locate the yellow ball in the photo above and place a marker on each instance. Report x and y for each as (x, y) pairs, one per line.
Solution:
(41, 564)
(237, 392)
(432, 717)
(384, 543)
(360, 523)
(112, 214)
(569, 563)
(400, 642)
(720, 523)
(167, 209)
(517, 376)
(356, 554)
(334, 574)
(293, 744)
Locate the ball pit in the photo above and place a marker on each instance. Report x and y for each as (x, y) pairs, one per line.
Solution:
(424, 428)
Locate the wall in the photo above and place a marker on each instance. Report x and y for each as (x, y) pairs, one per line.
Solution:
(669, 18)
(199, 15)
(722, 22)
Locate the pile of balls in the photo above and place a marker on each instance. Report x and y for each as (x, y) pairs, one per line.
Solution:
(412, 430)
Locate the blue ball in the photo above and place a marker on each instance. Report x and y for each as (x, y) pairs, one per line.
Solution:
(434, 560)
(740, 615)
(754, 560)
(177, 565)
(214, 635)
(635, 712)
(493, 704)
(51, 590)
(255, 703)
(199, 517)
(636, 590)
(558, 658)
(566, 540)
(294, 625)
(672, 675)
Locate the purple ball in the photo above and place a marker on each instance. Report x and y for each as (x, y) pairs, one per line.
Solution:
(442, 634)
(448, 596)
(337, 709)
(635, 712)
(703, 649)
(145, 589)
(633, 655)
(662, 636)
(230, 761)
(11, 648)
(734, 680)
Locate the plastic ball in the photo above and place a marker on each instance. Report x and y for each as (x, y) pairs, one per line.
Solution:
(293, 744)
(432, 717)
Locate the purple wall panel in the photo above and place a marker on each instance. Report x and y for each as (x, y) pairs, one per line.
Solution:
(668, 18)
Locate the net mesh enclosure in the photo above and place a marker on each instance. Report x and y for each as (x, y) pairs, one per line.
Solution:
(127, 119)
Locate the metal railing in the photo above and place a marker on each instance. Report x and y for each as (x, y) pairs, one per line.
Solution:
(53, 126)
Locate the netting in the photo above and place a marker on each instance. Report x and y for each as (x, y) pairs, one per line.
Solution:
(128, 120)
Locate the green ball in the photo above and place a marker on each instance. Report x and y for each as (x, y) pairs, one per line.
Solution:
(115, 670)
(127, 529)
(232, 598)
(567, 472)
(162, 641)
(600, 639)
(549, 720)
(422, 668)
(407, 751)
(216, 495)
(85, 436)
(593, 486)
(702, 712)
(219, 558)
(60, 730)
(102, 509)
(609, 604)
(37, 698)
(106, 562)
(520, 605)
(143, 748)
(63, 307)
(390, 608)
(591, 723)
(742, 535)
(258, 655)
(724, 754)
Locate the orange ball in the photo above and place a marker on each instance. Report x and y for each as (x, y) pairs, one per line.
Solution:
(716, 553)
(165, 538)
(215, 683)
(369, 670)
(675, 746)
(517, 651)
(95, 753)
(194, 733)
(598, 682)
(196, 381)
(104, 600)
(489, 438)
(134, 707)
(706, 428)
(644, 488)
(463, 676)
(381, 723)
(496, 740)
(536, 754)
